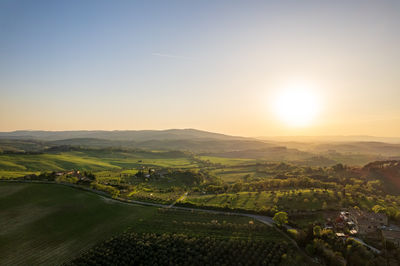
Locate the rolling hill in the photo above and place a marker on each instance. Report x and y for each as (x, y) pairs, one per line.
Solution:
(119, 135)
(316, 153)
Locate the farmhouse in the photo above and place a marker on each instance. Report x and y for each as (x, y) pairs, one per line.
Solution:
(359, 222)
(344, 221)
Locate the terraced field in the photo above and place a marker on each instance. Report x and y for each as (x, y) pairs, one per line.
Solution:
(300, 199)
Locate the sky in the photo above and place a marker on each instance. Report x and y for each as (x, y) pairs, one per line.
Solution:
(210, 65)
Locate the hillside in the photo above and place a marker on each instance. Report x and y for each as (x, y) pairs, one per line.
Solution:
(269, 154)
(386, 171)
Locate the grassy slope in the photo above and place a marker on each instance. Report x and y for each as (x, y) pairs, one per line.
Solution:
(227, 161)
(97, 161)
(50, 224)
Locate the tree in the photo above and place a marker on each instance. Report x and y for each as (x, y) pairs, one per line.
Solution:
(89, 175)
(317, 230)
(338, 167)
(391, 212)
(280, 218)
(378, 208)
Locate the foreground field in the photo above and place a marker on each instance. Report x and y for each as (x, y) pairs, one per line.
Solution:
(52, 224)
(152, 249)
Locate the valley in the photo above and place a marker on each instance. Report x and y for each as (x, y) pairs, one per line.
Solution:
(222, 190)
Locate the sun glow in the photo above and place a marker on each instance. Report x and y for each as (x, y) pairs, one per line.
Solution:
(296, 106)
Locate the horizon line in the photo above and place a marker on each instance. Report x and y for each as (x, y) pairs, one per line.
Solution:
(229, 134)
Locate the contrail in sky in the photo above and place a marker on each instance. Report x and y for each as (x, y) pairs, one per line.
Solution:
(172, 56)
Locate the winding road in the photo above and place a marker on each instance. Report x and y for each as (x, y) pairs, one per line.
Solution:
(261, 218)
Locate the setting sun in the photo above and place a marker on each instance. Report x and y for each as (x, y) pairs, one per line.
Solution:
(296, 106)
(172, 132)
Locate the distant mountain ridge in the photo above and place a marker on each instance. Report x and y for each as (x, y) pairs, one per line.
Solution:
(171, 139)
(120, 135)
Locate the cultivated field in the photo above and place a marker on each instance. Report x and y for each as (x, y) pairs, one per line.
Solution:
(51, 224)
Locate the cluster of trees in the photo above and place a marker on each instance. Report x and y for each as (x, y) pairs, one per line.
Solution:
(114, 192)
(269, 184)
(391, 212)
(173, 249)
(42, 176)
(186, 177)
(84, 178)
(352, 184)
(281, 218)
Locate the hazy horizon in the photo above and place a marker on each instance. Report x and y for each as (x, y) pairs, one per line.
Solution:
(270, 68)
(304, 138)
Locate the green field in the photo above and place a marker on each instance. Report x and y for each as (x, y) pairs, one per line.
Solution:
(22, 164)
(227, 161)
(51, 224)
(234, 173)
